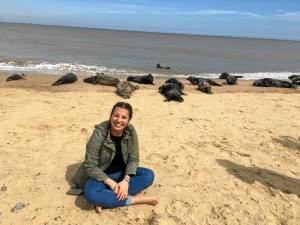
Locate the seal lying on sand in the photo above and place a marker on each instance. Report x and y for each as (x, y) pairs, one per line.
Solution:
(125, 89)
(158, 66)
(172, 92)
(175, 81)
(292, 77)
(231, 79)
(270, 82)
(205, 87)
(16, 76)
(102, 79)
(146, 79)
(295, 79)
(68, 78)
(196, 80)
(225, 75)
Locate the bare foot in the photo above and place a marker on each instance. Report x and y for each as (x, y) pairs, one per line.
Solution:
(98, 209)
(141, 199)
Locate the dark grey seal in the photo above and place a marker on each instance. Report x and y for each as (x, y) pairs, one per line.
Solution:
(16, 76)
(231, 79)
(158, 66)
(225, 75)
(125, 89)
(292, 77)
(270, 82)
(145, 79)
(175, 81)
(196, 80)
(102, 79)
(296, 81)
(205, 87)
(68, 78)
(172, 92)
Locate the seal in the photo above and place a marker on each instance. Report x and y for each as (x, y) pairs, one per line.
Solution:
(296, 81)
(270, 82)
(172, 92)
(101, 79)
(16, 76)
(145, 79)
(158, 66)
(224, 75)
(175, 81)
(68, 78)
(231, 79)
(125, 89)
(196, 80)
(205, 87)
(292, 77)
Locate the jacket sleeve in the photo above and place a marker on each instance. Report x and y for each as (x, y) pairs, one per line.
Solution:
(92, 156)
(133, 156)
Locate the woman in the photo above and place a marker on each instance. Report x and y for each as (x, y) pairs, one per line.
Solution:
(111, 161)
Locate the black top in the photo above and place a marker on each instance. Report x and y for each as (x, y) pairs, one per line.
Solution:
(117, 163)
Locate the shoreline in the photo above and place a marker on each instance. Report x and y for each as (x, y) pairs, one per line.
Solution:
(42, 82)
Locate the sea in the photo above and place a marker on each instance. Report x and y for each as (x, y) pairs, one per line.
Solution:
(44, 49)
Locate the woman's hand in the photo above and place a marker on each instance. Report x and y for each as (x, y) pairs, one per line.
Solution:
(111, 183)
(121, 190)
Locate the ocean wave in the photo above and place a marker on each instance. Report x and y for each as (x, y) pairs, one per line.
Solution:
(49, 68)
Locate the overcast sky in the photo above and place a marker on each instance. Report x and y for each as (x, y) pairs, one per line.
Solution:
(278, 19)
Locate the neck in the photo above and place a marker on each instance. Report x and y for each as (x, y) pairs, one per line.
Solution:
(116, 134)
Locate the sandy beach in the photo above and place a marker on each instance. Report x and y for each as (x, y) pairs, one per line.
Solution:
(232, 157)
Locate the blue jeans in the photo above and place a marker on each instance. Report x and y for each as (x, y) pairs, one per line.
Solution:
(97, 193)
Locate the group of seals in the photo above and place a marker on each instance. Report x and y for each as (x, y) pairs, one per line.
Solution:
(172, 89)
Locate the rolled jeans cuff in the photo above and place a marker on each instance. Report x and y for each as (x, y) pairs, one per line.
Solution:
(128, 201)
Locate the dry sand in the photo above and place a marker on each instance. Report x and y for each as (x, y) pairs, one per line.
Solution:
(228, 158)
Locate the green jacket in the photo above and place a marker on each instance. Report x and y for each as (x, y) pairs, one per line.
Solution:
(97, 160)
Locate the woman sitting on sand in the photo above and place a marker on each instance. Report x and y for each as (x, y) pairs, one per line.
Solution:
(112, 160)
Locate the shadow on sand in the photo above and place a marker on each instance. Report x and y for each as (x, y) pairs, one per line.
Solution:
(266, 177)
(288, 142)
(80, 201)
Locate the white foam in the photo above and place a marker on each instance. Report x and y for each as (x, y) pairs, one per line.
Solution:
(45, 67)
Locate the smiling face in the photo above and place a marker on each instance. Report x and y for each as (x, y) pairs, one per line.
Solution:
(119, 120)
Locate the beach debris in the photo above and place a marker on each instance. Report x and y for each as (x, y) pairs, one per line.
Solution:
(3, 188)
(18, 206)
(172, 92)
(68, 78)
(205, 87)
(100, 78)
(145, 79)
(125, 89)
(16, 76)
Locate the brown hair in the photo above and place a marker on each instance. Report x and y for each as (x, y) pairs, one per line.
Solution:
(123, 105)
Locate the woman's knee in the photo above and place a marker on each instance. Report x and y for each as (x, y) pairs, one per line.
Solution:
(148, 175)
